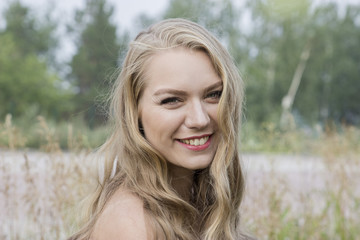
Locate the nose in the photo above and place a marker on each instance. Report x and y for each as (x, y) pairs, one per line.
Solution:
(197, 116)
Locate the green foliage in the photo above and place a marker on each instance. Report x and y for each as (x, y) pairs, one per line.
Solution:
(31, 34)
(329, 85)
(330, 88)
(220, 17)
(25, 82)
(96, 58)
(274, 47)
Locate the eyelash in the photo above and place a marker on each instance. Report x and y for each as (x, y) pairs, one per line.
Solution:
(173, 100)
(170, 100)
(215, 94)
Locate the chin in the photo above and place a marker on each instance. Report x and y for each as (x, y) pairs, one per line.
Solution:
(200, 166)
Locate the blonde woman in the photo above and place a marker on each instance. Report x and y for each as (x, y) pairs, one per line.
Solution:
(172, 167)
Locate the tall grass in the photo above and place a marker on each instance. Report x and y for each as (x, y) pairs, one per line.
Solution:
(321, 201)
(49, 136)
(319, 198)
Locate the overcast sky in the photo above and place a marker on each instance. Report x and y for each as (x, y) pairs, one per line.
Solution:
(125, 10)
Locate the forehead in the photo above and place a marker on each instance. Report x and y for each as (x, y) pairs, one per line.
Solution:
(180, 68)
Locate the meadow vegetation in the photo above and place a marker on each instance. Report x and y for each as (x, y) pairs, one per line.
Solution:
(321, 201)
(47, 170)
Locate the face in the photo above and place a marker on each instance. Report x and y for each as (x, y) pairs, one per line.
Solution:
(178, 107)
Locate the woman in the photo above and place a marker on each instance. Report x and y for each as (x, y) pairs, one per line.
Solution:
(172, 167)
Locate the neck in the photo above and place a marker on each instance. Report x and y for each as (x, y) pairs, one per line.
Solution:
(182, 180)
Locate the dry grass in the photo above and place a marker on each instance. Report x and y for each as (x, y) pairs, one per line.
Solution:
(40, 191)
(316, 197)
(319, 198)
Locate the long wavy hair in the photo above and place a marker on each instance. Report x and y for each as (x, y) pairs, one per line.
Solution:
(131, 162)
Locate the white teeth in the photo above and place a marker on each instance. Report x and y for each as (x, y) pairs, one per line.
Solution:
(196, 142)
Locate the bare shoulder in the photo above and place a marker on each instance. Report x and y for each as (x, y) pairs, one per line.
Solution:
(122, 218)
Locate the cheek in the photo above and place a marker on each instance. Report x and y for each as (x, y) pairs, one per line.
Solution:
(213, 113)
(154, 120)
(159, 123)
(148, 121)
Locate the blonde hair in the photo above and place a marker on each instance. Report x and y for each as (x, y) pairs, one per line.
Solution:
(132, 163)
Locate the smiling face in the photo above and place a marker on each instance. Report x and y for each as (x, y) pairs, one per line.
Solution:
(178, 107)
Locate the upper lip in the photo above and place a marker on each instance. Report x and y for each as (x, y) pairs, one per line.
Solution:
(195, 137)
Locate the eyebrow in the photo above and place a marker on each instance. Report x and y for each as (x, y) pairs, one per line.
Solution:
(182, 93)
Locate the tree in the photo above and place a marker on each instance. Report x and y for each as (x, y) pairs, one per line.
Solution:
(283, 32)
(334, 67)
(31, 34)
(26, 83)
(97, 57)
(279, 34)
(222, 18)
(25, 79)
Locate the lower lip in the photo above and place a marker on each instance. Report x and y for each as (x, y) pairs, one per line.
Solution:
(197, 148)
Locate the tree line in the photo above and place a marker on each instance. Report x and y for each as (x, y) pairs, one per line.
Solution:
(300, 61)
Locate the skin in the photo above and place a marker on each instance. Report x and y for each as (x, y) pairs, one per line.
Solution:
(179, 102)
(122, 218)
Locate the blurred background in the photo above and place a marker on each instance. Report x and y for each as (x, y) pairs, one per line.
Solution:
(300, 61)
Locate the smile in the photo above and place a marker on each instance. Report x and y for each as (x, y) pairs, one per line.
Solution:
(195, 141)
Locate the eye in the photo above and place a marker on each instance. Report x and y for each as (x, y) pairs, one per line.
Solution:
(215, 94)
(171, 100)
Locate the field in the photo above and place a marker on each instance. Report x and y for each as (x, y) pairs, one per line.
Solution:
(307, 192)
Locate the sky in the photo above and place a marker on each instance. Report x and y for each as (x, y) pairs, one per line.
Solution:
(125, 10)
